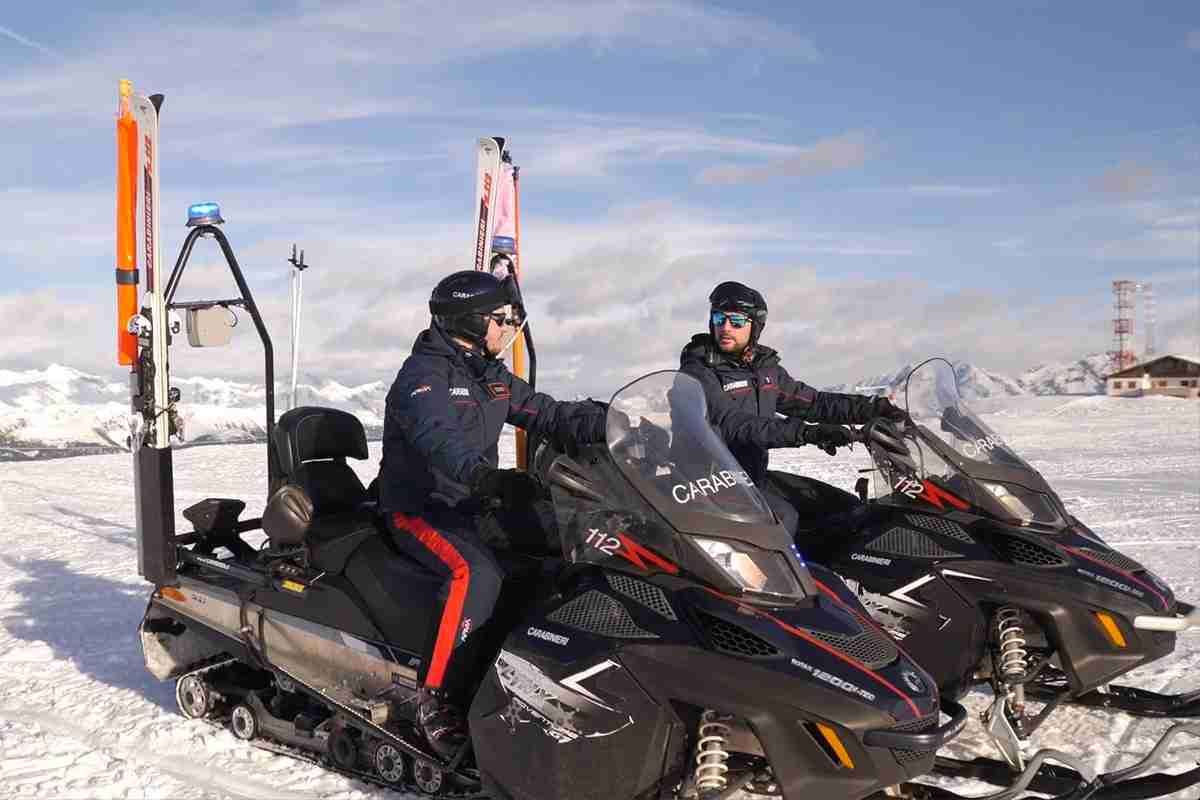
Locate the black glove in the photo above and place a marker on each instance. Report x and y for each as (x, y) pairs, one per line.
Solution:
(827, 437)
(590, 430)
(882, 407)
(513, 487)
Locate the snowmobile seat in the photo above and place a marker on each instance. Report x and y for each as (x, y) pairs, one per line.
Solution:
(334, 539)
(322, 503)
(290, 521)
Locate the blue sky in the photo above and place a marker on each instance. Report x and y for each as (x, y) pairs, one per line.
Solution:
(897, 179)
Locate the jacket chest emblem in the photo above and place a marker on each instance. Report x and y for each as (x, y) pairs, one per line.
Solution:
(734, 386)
(460, 391)
(498, 390)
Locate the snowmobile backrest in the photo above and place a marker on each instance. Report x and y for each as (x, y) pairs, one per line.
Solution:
(312, 444)
(332, 485)
(311, 432)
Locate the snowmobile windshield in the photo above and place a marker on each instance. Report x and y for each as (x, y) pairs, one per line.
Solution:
(661, 440)
(933, 400)
(667, 496)
(953, 459)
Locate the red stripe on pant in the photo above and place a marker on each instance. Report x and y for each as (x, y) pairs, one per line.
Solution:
(460, 581)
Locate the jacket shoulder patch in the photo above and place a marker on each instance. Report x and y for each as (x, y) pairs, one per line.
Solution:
(498, 390)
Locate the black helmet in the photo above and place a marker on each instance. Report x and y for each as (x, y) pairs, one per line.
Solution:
(734, 296)
(461, 302)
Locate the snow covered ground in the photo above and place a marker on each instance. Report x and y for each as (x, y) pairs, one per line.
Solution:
(80, 717)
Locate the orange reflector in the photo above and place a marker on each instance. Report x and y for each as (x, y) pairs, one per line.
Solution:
(1110, 627)
(835, 744)
(174, 594)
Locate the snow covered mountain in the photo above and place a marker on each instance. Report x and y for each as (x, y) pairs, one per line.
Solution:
(1085, 376)
(973, 383)
(1082, 376)
(62, 411)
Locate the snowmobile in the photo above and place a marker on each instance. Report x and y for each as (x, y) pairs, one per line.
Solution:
(970, 560)
(675, 647)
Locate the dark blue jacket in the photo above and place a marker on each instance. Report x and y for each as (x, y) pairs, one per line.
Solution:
(444, 415)
(761, 387)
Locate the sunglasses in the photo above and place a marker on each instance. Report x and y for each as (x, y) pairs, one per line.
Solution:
(500, 318)
(736, 320)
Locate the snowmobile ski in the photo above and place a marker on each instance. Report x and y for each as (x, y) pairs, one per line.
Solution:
(1127, 699)
(1071, 779)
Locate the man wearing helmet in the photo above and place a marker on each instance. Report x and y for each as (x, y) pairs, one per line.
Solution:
(739, 373)
(439, 480)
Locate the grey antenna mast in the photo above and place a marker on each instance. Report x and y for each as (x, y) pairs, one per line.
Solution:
(297, 274)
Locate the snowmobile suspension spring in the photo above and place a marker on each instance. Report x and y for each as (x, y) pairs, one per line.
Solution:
(1013, 663)
(710, 752)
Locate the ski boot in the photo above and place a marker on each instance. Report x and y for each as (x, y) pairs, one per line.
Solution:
(442, 722)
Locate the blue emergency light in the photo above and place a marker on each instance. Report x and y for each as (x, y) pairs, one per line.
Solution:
(204, 214)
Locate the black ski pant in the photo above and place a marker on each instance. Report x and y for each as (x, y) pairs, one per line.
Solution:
(808, 508)
(449, 544)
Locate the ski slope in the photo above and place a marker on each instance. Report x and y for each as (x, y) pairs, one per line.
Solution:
(80, 717)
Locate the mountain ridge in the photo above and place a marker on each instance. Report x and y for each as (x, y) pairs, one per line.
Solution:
(60, 410)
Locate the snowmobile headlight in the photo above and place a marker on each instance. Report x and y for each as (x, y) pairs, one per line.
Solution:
(1023, 504)
(754, 570)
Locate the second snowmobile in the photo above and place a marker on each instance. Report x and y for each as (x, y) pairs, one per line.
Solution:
(970, 559)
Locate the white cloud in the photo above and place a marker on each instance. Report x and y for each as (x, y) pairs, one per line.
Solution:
(1126, 179)
(1011, 243)
(953, 190)
(363, 44)
(839, 152)
(16, 37)
(1159, 244)
(604, 145)
(610, 298)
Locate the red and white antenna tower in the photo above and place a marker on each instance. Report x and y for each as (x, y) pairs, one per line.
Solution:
(1122, 354)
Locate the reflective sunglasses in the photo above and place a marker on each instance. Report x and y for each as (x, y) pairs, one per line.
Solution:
(736, 320)
(500, 318)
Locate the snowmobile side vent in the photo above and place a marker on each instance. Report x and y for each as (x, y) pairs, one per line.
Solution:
(913, 726)
(644, 593)
(597, 613)
(734, 639)
(945, 527)
(1113, 558)
(909, 543)
(1023, 551)
(874, 649)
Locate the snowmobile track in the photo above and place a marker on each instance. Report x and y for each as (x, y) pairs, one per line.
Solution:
(263, 742)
